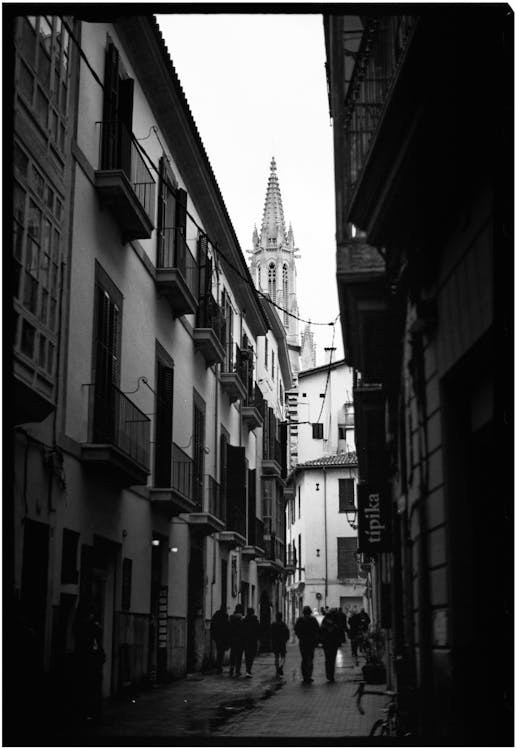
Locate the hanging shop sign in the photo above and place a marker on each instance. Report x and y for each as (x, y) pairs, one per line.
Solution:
(374, 522)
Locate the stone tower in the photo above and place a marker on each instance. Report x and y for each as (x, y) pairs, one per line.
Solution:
(308, 349)
(273, 269)
(273, 266)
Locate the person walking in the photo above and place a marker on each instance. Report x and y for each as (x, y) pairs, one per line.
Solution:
(251, 628)
(220, 632)
(90, 659)
(308, 633)
(357, 626)
(279, 638)
(331, 636)
(236, 641)
(342, 622)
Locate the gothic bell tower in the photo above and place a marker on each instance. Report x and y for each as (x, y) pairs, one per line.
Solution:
(273, 266)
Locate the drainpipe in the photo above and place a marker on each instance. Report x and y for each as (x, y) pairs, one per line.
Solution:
(325, 522)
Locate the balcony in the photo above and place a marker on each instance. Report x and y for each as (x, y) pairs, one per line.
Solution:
(232, 378)
(118, 436)
(177, 272)
(272, 460)
(274, 555)
(209, 516)
(124, 183)
(377, 62)
(290, 564)
(255, 546)
(235, 532)
(178, 498)
(361, 278)
(209, 333)
(252, 409)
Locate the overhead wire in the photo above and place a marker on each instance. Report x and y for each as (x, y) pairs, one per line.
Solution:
(246, 278)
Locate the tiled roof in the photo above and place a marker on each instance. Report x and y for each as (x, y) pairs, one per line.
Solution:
(337, 459)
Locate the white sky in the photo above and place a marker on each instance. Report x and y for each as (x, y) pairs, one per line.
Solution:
(256, 87)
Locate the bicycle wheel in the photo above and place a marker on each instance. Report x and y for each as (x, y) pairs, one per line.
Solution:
(379, 729)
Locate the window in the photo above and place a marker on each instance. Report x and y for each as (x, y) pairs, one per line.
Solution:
(36, 257)
(346, 495)
(273, 364)
(300, 550)
(107, 331)
(265, 352)
(171, 214)
(228, 316)
(285, 293)
(43, 44)
(268, 494)
(271, 281)
(341, 432)
(349, 414)
(163, 419)
(317, 431)
(346, 561)
(198, 448)
(299, 513)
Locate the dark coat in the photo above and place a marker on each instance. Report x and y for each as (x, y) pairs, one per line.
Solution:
(236, 630)
(358, 623)
(279, 636)
(220, 628)
(251, 628)
(331, 633)
(307, 630)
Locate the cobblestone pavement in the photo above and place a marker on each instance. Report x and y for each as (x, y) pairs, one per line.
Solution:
(220, 707)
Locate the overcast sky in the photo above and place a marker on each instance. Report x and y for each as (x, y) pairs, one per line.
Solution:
(256, 87)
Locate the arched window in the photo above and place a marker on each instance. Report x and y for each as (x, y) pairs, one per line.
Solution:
(271, 281)
(259, 280)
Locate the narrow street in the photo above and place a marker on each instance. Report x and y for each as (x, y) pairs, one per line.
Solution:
(221, 707)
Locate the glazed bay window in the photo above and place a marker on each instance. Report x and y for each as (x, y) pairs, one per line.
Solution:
(37, 255)
(43, 73)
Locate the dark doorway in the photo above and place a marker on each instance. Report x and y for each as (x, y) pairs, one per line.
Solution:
(158, 626)
(33, 595)
(224, 583)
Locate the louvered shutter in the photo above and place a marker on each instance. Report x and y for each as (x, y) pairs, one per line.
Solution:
(237, 489)
(199, 455)
(346, 562)
(283, 447)
(265, 432)
(252, 509)
(346, 494)
(166, 216)
(205, 268)
(125, 117)
(164, 405)
(110, 135)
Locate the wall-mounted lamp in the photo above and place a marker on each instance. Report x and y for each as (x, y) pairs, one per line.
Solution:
(317, 553)
(317, 486)
(155, 542)
(351, 516)
(173, 549)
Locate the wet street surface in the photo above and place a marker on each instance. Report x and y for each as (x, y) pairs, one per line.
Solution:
(222, 707)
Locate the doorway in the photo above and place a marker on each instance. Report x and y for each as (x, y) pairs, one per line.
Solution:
(195, 608)
(33, 594)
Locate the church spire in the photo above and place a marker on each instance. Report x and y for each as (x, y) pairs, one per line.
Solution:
(272, 233)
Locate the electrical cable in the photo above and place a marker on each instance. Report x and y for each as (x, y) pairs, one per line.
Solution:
(247, 279)
(329, 368)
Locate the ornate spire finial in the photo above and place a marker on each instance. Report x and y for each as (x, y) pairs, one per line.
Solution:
(273, 234)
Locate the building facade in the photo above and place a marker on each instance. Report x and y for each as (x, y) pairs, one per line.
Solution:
(421, 211)
(141, 434)
(323, 567)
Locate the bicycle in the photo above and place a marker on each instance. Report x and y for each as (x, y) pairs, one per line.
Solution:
(389, 726)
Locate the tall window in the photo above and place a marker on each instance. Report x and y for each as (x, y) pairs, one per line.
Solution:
(43, 72)
(271, 281)
(346, 560)
(37, 229)
(163, 420)
(299, 513)
(317, 431)
(265, 351)
(285, 292)
(273, 364)
(346, 494)
(198, 449)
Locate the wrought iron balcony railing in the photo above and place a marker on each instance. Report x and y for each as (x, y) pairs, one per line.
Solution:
(215, 502)
(274, 549)
(119, 150)
(377, 61)
(174, 252)
(209, 315)
(181, 471)
(115, 420)
(259, 533)
(255, 398)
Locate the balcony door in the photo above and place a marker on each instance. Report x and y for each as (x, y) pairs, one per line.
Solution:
(163, 435)
(199, 450)
(106, 368)
(117, 114)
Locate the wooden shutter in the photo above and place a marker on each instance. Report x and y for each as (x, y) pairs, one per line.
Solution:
(166, 216)
(199, 454)
(164, 404)
(283, 447)
(346, 562)
(346, 494)
(205, 268)
(110, 136)
(107, 348)
(252, 503)
(125, 117)
(237, 488)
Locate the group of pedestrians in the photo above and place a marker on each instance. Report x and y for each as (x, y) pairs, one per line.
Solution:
(241, 635)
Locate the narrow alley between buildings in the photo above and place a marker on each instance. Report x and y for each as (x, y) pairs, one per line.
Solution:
(222, 708)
